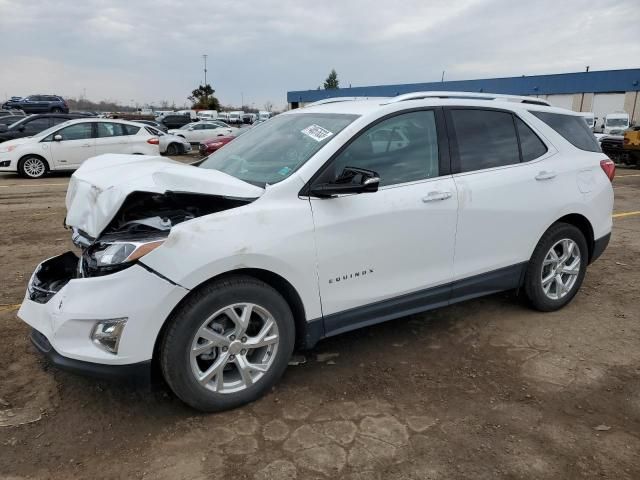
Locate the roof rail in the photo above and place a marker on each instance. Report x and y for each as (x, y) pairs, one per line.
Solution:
(336, 100)
(468, 95)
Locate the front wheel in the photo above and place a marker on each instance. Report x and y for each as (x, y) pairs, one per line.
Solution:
(228, 344)
(557, 268)
(32, 166)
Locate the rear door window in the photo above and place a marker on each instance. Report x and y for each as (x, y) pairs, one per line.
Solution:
(37, 125)
(106, 130)
(572, 128)
(530, 144)
(483, 139)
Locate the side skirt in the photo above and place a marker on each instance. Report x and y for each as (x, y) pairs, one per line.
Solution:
(507, 278)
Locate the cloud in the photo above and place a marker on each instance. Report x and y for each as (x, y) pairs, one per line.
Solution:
(150, 50)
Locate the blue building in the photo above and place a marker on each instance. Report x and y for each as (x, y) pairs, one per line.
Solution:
(600, 92)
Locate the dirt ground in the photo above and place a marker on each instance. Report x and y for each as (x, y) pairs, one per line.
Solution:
(482, 390)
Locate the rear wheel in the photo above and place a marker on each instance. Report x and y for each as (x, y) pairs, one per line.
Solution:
(228, 344)
(557, 268)
(32, 166)
(56, 110)
(173, 149)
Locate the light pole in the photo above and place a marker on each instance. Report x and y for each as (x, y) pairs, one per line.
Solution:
(206, 96)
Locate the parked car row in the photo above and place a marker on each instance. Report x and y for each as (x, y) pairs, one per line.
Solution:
(65, 146)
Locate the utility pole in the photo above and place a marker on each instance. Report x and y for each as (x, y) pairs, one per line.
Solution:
(587, 69)
(442, 79)
(206, 96)
(242, 99)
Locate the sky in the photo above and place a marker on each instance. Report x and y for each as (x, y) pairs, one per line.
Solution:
(146, 51)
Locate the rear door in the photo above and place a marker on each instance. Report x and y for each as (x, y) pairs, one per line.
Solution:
(77, 144)
(111, 138)
(507, 194)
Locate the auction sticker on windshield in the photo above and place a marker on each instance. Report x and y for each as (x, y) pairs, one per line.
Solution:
(317, 132)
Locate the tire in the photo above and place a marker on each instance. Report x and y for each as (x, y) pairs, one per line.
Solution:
(549, 295)
(173, 149)
(56, 110)
(32, 166)
(228, 388)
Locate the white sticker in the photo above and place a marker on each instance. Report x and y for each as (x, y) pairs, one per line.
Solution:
(317, 132)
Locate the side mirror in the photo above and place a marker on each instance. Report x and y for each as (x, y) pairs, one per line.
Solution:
(191, 129)
(57, 138)
(21, 128)
(351, 180)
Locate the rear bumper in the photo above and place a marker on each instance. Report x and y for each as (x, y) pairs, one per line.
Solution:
(136, 372)
(599, 246)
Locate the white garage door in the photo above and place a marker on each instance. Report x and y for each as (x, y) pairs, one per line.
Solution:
(604, 103)
(561, 101)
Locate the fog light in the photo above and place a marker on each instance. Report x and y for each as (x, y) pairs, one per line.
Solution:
(106, 334)
(5, 163)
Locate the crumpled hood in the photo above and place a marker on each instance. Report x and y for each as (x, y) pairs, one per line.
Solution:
(100, 186)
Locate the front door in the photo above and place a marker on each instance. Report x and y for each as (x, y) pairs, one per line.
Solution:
(77, 144)
(384, 254)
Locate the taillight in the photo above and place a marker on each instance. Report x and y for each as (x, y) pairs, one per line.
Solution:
(154, 141)
(626, 140)
(609, 168)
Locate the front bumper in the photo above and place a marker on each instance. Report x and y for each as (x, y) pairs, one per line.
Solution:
(64, 309)
(136, 372)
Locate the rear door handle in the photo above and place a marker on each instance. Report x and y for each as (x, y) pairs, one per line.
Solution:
(544, 175)
(436, 195)
(86, 145)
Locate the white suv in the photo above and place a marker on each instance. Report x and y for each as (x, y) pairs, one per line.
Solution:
(66, 145)
(306, 227)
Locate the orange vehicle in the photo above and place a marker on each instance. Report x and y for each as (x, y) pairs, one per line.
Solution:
(631, 145)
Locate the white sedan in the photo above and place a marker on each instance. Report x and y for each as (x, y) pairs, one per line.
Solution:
(67, 145)
(170, 144)
(201, 131)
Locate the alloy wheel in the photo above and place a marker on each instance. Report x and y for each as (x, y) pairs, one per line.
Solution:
(34, 167)
(560, 269)
(234, 348)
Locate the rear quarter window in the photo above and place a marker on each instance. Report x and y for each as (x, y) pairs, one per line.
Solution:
(572, 128)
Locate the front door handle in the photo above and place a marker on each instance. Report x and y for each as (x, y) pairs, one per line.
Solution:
(436, 195)
(545, 175)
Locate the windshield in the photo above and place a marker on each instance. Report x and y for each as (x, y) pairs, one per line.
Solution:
(616, 122)
(274, 150)
(15, 124)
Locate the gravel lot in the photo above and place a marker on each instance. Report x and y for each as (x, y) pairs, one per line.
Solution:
(485, 389)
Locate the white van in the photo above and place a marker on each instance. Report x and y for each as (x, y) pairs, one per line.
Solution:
(264, 115)
(224, 116)
(590, 119)
(208, 115)
(616, 123)
(236, 116)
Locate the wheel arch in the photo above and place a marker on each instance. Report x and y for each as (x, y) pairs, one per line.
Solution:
(27, 155)
(274, 280)
(583, 224)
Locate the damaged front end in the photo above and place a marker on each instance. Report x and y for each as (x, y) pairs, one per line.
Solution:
(141, 225)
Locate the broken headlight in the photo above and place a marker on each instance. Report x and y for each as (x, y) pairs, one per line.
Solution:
(109, 256)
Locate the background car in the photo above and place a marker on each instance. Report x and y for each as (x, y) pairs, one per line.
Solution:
(175, 120)
(10, 119)
(66, 146)
(209, 146)
(33, 124)
(201, 131)
(170, 144)
(13, 111)
(39, 104)
(151, 123)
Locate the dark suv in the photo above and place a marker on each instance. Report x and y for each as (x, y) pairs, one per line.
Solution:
(39, 104)
(34, 124)
(175, 120)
